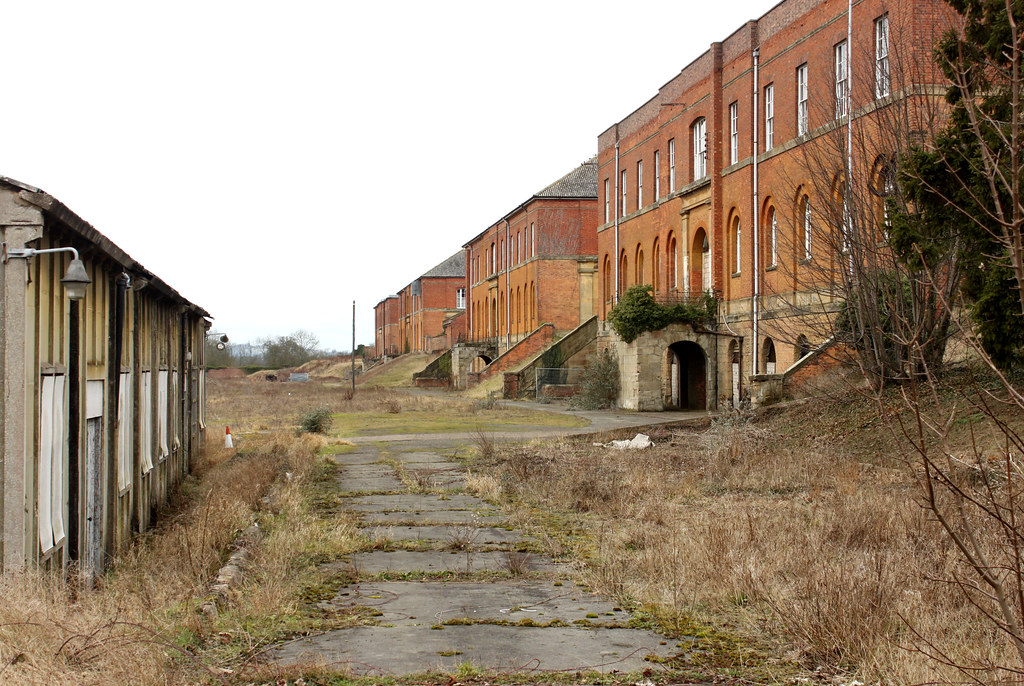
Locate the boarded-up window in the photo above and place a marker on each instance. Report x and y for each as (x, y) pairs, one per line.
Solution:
(176, 404)
(52, 456)
(161, 410)
(124, 431)
(146, 422)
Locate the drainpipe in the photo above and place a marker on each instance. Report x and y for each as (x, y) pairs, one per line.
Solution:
(508, 288)
(757, 222)
(849, 124)
(469, 293)
(615, 201)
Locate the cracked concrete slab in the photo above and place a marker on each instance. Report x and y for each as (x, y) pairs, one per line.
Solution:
(380, 650)
(473, 535)
(434, 561)
(430, 517)
(369, 483)
(410, 603)
(414, 502)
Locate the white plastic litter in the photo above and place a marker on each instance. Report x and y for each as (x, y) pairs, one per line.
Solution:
(638, 442)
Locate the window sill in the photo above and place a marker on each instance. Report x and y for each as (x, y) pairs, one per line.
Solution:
(771, 267)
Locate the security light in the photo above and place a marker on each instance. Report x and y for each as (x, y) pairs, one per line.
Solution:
(75, 278)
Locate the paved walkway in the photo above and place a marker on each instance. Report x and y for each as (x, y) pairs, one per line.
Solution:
(450, 581)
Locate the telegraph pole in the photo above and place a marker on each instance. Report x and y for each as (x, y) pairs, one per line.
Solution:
(353, 347)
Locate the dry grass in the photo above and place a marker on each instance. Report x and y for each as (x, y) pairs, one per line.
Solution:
(798, 541)
(141, 624)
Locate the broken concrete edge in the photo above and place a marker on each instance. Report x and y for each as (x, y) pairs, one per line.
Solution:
(230, 575)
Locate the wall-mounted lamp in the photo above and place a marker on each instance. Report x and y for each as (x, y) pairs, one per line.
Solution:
(220, 341)
(75, 278)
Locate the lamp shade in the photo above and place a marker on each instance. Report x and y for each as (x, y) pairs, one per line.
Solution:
(75, 280)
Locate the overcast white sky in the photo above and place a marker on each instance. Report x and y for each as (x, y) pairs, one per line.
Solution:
(275, 161)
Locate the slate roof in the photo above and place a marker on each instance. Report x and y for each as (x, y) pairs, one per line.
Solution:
(453, 266)
(581, 182)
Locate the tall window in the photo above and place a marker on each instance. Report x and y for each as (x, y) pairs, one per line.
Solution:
(769, 116)
(639, 184)
(622, 208)
(882, 56)
(672, 165)
(533, 239)
(806, 202)
(460, 298)
(607, 201)
(657, 174)
(801, 100)
(672, 261)
(737, 236)
(842, 85)
(773, 228)
(734, 133)
(700, 149)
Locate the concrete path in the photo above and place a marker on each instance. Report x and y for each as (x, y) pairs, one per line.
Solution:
(449, 582)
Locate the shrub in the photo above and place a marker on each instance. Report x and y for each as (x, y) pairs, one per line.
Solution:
(317, 421)
(600, 385)
(637, 312)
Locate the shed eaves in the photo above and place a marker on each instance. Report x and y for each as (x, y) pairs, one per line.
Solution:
(453, 266)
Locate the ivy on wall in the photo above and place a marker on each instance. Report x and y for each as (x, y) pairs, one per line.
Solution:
(637, 312)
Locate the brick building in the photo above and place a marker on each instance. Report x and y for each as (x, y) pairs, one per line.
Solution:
(386, 327)
(537, 264)
(732, 179)
(426, 304)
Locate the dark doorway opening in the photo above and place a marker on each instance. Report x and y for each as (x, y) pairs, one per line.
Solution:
(690, 378)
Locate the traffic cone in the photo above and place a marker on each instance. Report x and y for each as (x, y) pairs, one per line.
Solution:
(228, 441)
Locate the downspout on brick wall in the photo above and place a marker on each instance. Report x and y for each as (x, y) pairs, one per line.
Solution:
(615, 201)
(757, 223)
(508, 288)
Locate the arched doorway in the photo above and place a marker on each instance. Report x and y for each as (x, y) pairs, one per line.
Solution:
(688, 367)
(768, 353)
(479, 363)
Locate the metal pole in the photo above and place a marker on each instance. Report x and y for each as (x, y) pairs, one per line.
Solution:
(353, 347)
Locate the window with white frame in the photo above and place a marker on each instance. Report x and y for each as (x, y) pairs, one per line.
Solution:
(842, 85)
(801, 100)
(700, 149)
(607, 201)
(460, 299)
(734, 133)
(672, 165)
(769, 116)
(639, 184)
(622, 181)
(882, 81)
(773, 238)
(533, 239)
(657, 174)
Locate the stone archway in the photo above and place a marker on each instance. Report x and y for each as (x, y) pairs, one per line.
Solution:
(479, 363)
(689, 377)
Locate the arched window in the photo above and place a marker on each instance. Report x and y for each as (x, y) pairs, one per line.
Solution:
(639, 266)
(656, 266)
(623, 273)
(805, 212)
(773, 238)
(607, 279)
(672, 261)
(737, 245)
